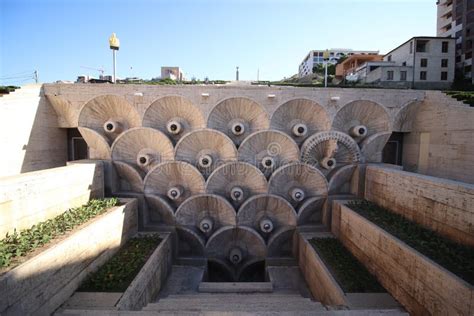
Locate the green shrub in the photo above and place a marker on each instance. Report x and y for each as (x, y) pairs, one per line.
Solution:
(457, 258)
(20, 244)
(351, 275)
(463, 96)
(117, 274)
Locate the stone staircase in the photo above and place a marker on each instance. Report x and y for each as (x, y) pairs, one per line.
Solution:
(235, 303)
(443, 98)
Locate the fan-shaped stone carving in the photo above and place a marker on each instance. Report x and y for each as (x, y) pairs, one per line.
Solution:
(361, 119)
(98, 146)
(238, 118)
(328, 150)
(109, 115)
(206, 149)
(131, 179)
(174, 180)
(236, 245)
(311, 211)
(339, 180)
(296, 182)
(64, 110)
(205, 213)
(237, 181)
(266, 213)
(143, 148)
(159, 210)
(406, 116)
(175, 116)
(281, 242)
(372, 146)
(190, 243)
(300, 118)
(268, 150)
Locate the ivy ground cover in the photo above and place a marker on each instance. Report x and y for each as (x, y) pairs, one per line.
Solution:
(19, 244)
(117, 274)
(351, 275)
(455, 257)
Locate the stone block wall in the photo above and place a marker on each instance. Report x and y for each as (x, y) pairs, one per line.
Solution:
(442, 205)
(440, 141)
(29, 198)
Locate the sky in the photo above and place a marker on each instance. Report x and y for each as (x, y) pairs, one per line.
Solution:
(206, 38)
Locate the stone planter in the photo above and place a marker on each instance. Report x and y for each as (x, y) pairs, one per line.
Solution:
(42, 283)
(321, 283)
(418, 283)
(152, 276)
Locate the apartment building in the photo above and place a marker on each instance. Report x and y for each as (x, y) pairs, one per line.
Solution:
(315, 57)
(174, 73)
(349, 66)
(420, 62)
(455, 19)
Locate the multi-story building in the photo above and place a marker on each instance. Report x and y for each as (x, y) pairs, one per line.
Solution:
(421, 63)
(174, 73)
(315, 57)
(349, 66)
(456, 20)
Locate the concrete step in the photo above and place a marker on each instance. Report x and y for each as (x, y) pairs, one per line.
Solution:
(242, 306)
(230, 313)
(235, 303)
(235, 287)
(372, 300)
(227, 295)
(234, 297)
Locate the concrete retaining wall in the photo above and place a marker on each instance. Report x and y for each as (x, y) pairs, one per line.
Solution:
(73, 97)
(420, 285)
(29, 198)
(29, 133)
(440, 139)
(444, 206)
(41, 284)
(150, 279)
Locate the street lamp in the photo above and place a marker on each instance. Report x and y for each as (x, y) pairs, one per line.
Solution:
(326, 60)
(114, 44)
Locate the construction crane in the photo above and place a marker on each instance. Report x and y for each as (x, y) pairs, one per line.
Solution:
(101, 70)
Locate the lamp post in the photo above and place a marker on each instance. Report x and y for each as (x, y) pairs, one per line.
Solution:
(326, 60)
(114, 44)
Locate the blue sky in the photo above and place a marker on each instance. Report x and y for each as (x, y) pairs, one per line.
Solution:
(204, 37)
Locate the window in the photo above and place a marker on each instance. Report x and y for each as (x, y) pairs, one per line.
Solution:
(421, 46)
(468, 44)
(403, 75)
(444, 63)
(390, 75)
(411, 47)
(404, 63)
(458, 59)
(468, 55)
(422, 75)
(424, 62)
(389, 58)
(445, 47)
(444, 75)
